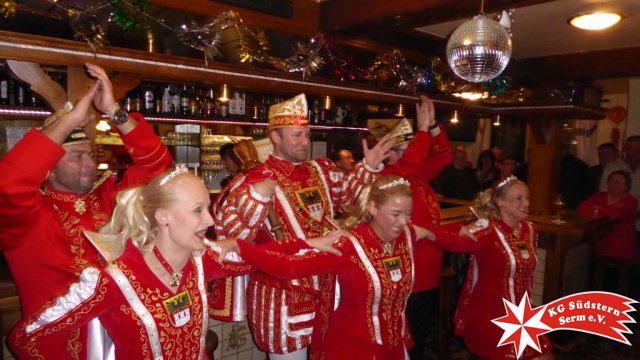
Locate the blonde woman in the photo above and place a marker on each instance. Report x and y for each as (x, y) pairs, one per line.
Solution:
(375, 274)
(152, 299)
(502, 263)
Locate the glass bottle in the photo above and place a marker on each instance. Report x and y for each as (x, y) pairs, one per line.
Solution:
(167, 101)
(185, 97)
(194, 102)
(21, 94)
(210, 104)
(4, 88)
(175, 100)
(149, 99)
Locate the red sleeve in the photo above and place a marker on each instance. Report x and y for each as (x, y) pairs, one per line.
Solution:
(454, 242)
(84, 301)
(150, 156)
(440, 155)
(305, 263)
(409, 164)
(23, 171)
(586, 207)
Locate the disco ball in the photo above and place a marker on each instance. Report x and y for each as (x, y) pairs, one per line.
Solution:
(479, 49)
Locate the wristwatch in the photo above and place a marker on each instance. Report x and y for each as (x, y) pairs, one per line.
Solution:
(119, 117)
(433, 126)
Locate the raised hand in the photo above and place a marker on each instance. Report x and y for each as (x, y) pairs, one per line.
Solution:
(227, 245)
(323, 243)
(79, 115)
(379, 152)
(103, 101)
(425, 113)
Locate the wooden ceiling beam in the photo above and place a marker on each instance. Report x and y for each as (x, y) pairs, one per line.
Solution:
(305, 20)
(587, 65)
(355, 18)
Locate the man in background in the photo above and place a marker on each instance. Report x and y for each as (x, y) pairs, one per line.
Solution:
(343, 159)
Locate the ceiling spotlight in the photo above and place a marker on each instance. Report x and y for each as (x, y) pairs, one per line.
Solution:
(472, 95)
(454, 119)
(497, 121)
(595, 20)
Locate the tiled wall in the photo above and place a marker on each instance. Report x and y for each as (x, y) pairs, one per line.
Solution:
(235, 341)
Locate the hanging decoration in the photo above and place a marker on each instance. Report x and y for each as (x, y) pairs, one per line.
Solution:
(305, 59)
(250, 44)
(128, 14)
(479, 49)
(8, 8)
(89, 23)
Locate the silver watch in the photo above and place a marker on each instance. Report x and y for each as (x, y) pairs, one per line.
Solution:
(119, 117)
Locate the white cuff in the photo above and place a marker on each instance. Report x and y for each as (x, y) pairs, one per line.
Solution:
(368, 167)
(435, 132)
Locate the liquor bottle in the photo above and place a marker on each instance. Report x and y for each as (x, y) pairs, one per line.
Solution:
(233, 103)
(210, 104)
(316, 112)
(158, 94)
(149, 97)
(21, 94)
(167, 101)
(4, 89)
(184, 101)
(175, 100)
(194, 103)
(242, 100)
(136, 100)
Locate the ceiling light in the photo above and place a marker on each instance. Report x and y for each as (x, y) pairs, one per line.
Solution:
(595, 21)
(472, 95)
(496, 122)
(454, 119)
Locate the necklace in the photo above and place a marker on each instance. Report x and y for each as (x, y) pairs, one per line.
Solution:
(174, 276)
(387, 246)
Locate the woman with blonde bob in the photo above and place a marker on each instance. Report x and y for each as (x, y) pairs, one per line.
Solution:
(152, 298)
(375, 274)
(501, 265)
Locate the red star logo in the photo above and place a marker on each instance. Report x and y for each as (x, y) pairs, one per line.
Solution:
(522, 325)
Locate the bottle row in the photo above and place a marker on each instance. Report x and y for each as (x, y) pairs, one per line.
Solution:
(16, 93)
(222, 103)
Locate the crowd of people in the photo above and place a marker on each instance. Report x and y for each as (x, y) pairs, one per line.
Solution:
(325, 258)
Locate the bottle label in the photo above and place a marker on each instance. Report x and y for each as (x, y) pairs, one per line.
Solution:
(148, 100)
(4, 89)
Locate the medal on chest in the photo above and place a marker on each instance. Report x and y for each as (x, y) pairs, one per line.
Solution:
(178, 308)
(394, 268)
(523, 248)
(311, 200)
(80, 206)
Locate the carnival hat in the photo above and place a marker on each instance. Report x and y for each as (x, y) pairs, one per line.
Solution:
(290, 113)
(77, 136)
(402, 131)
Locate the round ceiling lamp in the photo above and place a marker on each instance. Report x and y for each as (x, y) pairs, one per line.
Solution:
(479, 49)
(595, 21)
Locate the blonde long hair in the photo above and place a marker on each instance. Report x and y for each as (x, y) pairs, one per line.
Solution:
(134, 214)
(380, 191)
(485, 204)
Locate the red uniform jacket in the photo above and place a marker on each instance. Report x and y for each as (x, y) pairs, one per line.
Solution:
(423, 160)
(283, 314)
(501, 266)
(374, 287)
(41, 229)
(143, 317)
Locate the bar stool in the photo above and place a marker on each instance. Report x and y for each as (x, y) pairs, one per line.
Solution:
(623, 269)
(444, 312)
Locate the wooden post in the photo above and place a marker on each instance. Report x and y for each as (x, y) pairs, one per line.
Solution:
(544, 154)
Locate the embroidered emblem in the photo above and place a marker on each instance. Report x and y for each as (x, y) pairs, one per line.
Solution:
(394, 267)
(178, 308)
(80, 206)
(522, 246)
(311, 200)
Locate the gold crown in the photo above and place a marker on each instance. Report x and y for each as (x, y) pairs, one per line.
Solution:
(402, 131)
(290, 113)
(77, 135)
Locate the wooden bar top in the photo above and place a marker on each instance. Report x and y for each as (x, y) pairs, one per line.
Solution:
(573, 223)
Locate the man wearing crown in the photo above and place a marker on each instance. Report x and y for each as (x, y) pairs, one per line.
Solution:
(49, 195)
(420, 159)
(285, 314)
